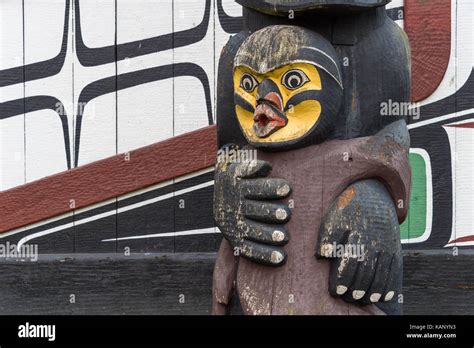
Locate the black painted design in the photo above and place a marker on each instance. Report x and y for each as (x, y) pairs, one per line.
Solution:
(41, 102)
(231, 25)
(38, 70)
(151, 218)
(135, 78)
(104, 55)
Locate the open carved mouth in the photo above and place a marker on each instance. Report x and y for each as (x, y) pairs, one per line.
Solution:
(267, 120)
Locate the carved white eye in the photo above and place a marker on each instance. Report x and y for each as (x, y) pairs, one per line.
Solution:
(248, 82)
(294, 79)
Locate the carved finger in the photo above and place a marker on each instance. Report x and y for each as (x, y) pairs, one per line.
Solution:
(252, 169)
(391, 288)
(267, 212)
(365, 274)
(263, 254)
(266, 188)
(329, 241)
(334, 231)
(379, 282)
(266, 234)
(342, 274)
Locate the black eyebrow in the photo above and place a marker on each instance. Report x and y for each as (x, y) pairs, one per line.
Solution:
(238, 100)
(300, 97)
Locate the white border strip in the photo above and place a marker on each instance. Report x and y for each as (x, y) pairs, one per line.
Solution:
(112, 212)
(167, 234)
(441, 118)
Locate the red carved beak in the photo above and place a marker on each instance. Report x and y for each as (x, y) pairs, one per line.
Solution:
(269, 115)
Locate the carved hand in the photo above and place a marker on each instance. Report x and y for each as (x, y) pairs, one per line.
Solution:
(362, 223)
(244, 213)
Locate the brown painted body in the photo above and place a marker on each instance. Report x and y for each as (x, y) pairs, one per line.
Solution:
(318, 175)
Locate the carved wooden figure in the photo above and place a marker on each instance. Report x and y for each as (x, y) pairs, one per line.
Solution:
(311, 223)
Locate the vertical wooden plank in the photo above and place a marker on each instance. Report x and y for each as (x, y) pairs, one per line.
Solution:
(98, 136)
(193, 90)
(12, 150)
(49, 100)
(145, 109)
(98, 126)
(464, 131)
(193, 93)
(194, 222)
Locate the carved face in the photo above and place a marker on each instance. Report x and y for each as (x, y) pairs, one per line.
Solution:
(287, 88)
(279, 106)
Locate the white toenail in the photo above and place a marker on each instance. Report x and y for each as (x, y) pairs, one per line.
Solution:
(278, 236)
(358, 294)
(341, 289)
(375, 297)
(281, 214)
(389, 295)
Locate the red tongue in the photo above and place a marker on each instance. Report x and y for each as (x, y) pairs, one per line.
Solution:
(263, 120)
(266, 120)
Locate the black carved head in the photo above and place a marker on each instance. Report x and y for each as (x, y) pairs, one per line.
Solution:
(287, 87)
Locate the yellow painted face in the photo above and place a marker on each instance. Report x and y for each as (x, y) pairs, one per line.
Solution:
(290, 80)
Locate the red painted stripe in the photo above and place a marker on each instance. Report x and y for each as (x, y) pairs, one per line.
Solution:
(462, 239)
(428, 25)
(107, 178)
(462, 125)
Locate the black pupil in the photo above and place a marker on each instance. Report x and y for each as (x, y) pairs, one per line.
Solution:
(293, 80)
(247, 83)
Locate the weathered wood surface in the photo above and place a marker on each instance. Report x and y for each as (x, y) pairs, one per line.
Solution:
(434, 283)
(108, 284)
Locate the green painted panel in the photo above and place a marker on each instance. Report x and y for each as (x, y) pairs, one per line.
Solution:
(415, 224)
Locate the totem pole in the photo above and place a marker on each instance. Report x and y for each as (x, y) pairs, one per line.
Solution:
(311, 221)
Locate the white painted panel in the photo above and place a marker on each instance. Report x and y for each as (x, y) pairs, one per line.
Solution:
(145, 112)
(44, 22)
(98, 127)
(12, 162)
(11, 34)
(45, 152)
(233, 9)
(145, 115)
(461, 140)
(141, 19)
(189, 99)
(463, 178)
(464, 32)
(97, 22)
(98, 133)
